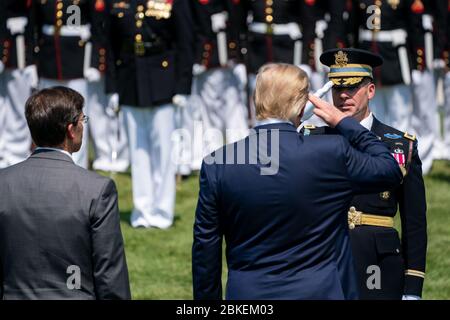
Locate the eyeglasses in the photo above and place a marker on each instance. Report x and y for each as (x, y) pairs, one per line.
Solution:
(85, 119)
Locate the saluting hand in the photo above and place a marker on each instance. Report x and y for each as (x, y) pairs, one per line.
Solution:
(327, 112)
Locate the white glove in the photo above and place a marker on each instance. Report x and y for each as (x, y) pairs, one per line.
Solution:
(439, 64)
(410, 297)
(113, 104)
(180, 100)
(31, 74)
(219, 21)
(92, 75)
(198, 69)
(16, 25)
(2, 67)
(416, 76)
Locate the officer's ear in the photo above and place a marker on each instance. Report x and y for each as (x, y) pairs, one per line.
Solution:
(371, 90)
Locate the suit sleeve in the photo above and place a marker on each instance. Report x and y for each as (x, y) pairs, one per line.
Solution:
(207, 246)
(370, 166)
(109, 263)
(413, 207)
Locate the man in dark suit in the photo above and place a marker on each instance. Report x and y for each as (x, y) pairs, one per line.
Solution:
(284, 216)
(377, 251)
(60, 234)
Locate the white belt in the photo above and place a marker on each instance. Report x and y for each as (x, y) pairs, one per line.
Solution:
(84, 31)
(291, 29)
(397, 36)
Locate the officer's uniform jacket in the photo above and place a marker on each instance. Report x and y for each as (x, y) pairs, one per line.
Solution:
(396, 33)
(151, 50)
(277, 32)
(408, 198)
(62, 42)
(206, 37)
(10, 10)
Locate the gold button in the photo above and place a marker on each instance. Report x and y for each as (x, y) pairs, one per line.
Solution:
(207, 47)
(419, 52)
(269, 19)
(378, 3)
(351, 225)
(140, 8)
(138, 38)
(59, 14)
(165, 63)
(5, 52)
(102, 51)
(205, 55)
(81, 43)
(118, 62)
(102, 60)
(120, 14)
(59, 6)
(139, 23)
(6, 44)
(102, 67)
(419, 60)
(269, 2)
(269, 10)
(232, 45)
(141, 15)
(352, 209)
(4, 60)
(59, 23)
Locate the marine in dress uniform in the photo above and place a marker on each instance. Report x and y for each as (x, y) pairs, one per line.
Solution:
(17, 77)
(425, 118)
(383, 26)
(274, 31)
(151, 58)
(216, 101)
(71, 49)
(374, 240)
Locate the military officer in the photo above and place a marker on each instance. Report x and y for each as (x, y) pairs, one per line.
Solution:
(387, 268)
(17, 77)
(71, 49)
(150, 71)
(216, 97)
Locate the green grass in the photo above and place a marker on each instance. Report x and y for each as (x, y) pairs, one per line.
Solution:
(159, 261)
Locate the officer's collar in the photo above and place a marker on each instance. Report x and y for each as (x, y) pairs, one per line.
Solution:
(367, 122)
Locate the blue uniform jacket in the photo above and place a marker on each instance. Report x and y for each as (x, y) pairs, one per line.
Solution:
(286, 233)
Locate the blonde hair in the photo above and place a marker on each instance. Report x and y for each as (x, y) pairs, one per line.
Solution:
(281, 91)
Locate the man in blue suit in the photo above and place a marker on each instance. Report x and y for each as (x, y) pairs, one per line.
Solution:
(281, 199)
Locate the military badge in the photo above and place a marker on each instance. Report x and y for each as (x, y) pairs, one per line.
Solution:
(385, 195)
(341, 59)
(394, 4)
(417, 7)
(400, 158)
(159, 9)
(99, 5)
(392, 136)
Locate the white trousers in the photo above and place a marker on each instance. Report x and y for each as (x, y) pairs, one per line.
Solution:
(215, 103)
(15, 139)
(152, 169)
(107, 132)
(447, 115)
(79, 85)
(425, 117)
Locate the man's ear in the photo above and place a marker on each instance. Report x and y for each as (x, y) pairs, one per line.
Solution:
(371, 91)
(70, 131)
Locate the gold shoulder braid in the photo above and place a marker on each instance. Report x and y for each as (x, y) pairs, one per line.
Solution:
(159, 9)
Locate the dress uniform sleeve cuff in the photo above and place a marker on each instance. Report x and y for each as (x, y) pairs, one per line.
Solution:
(413, 285)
